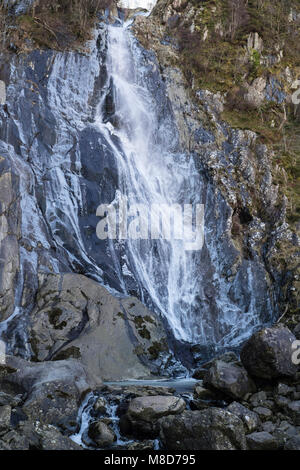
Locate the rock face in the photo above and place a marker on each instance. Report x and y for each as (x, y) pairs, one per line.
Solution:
(211, 429)
(230, 378)
(268, 353)
(114, 339)
(143, 414)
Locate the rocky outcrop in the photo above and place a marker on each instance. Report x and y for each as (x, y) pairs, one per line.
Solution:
(230, 378)
(51, 391)
(268, 353)
(210, 429)
(113, 338)
(141, 418)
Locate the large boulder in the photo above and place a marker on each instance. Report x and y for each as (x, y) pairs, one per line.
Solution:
(268, 353)
(114, 338)
(210, 429)
(262, 441)
(229, 378)
(52, 391)
(144, 412)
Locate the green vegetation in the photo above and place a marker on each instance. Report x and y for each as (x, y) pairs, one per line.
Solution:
(215, 54)
(61, 24)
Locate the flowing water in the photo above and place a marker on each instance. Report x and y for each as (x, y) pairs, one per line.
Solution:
(153, 173)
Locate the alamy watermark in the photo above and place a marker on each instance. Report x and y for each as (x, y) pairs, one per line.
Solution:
(296, 353)
(123, 221)
(2, 352)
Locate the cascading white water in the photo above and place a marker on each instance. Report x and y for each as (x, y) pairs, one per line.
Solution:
(147, 176)
(152, 171)
(105, 130)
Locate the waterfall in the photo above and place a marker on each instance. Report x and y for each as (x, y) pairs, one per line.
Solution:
(186, 287)
(101, 129)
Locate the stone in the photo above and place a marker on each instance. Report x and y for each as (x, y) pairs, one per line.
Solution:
(100, 406)
(211, 429)
(269, 427)
(262, 412)
(144, 412)
(250, 418)
(5, 416)
(293, 409)
(268, 353)
(54, 390)
(258, 398)
(296, 331)
(293, 443)
(203, 393)
(77, 317)
(262, 441)
(101, 434)
(283, 389)
(229, 378)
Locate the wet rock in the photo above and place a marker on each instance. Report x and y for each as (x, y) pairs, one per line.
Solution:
(77, 317)
(144, 445)
(143, 413)
(9, 235)
(101, 434)
(269, 427)
(296, 331)
(100, 406)
(37, 436)
(204, 393)
(5, 416)
(293, 410)
(229, 378)
(263, 413)
(284, 432)
(6, 399)
(211, 429)
(268, 353)
(293, 443)
(199, 374)
(262, 441)
(283, 389)
(249, 418)
(53, 390)
(258, 398)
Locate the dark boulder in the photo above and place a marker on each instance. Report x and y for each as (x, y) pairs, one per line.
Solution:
(262, 441)
(210, 429)
(143, 414)
(268, 353)
(101, 434)
(229, 378)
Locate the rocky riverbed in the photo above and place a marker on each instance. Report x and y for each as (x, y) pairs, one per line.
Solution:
(252, 403)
